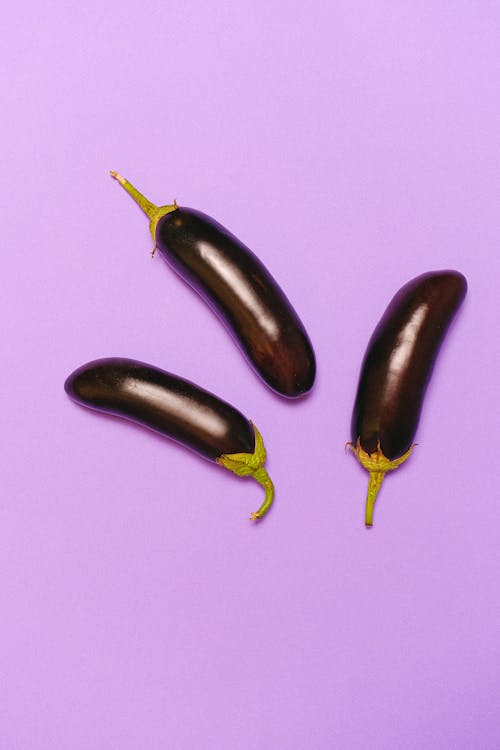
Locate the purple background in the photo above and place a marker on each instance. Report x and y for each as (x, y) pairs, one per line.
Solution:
(353, 146)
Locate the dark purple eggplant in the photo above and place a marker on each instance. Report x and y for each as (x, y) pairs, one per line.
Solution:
(239, 288)
(396, 371)
(178, 409)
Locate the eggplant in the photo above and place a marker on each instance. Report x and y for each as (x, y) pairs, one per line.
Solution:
(239, 288)
(178, 409)
(395, 373)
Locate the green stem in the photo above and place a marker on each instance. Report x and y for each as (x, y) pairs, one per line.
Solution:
(374, 485)
(149, 208)
(262, 477)
(153, 212)
(252, 465)
(377, 465)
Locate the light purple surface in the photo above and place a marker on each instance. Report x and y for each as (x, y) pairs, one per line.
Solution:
(353, 146)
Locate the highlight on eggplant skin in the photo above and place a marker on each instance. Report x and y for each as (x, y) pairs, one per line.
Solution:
(396, 371)
(178, 409)
(239, 288)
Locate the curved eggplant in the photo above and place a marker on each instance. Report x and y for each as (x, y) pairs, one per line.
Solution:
(178, 409)
(239, 288)
(396, 370)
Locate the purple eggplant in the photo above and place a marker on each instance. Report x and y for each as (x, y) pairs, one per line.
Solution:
(239, 288)
(178, 409)
(396, 371)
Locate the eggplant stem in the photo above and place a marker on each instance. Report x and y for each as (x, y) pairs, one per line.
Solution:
(153, 212)
(149, 208)
(374, 485)
(377, 465)
(262, 477)
(252, 465)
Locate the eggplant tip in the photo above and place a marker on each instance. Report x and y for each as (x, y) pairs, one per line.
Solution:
(68, 385)
(116, 176)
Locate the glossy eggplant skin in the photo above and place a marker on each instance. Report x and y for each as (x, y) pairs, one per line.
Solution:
(242, 292)
(399, 360)
(163, 402)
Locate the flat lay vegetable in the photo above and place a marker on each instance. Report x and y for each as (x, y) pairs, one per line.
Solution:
(395, 373)
(239, 288)
(178, 409)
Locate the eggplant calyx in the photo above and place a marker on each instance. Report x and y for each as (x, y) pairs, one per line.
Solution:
(154, 213)
(252, 465)
(377, 465)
